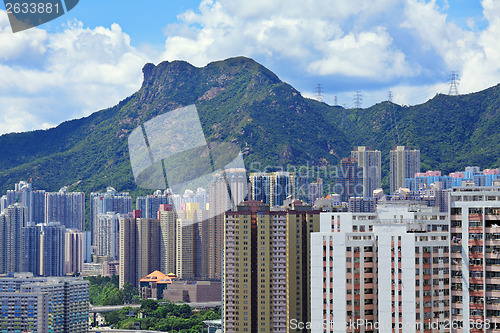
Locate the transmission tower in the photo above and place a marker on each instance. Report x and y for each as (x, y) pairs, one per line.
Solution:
(454, 80)
(319, 93)
(357, 100)
(389, 96)
(335, 101)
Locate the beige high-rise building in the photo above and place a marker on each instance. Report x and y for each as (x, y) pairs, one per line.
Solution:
(226, 191)
(128, 248)
(370, 161)
(266, 266)
(148, 246)
(139, 248)
(405, 163)
(168, 221)
(73, 258)
(185, 248)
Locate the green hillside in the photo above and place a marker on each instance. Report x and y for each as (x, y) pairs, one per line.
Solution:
(240, 101)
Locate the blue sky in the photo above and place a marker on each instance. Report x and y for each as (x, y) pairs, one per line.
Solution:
(91, 58)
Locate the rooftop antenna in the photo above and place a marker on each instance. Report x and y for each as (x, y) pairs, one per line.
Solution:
(454, 80)
(319, 93)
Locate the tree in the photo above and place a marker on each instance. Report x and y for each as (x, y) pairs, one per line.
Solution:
(148, 306)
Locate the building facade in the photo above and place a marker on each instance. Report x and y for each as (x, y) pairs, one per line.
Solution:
(67, 208)
(266, 266)
(370, 161)
(30, 304)
(386, 271)
(404, 163)
(12, 221)
(475, 258)
(103, 203)
(349, 179)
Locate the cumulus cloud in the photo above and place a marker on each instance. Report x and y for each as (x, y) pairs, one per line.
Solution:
(334, 37)
(49, 78)
(378, 45)
(409, 47)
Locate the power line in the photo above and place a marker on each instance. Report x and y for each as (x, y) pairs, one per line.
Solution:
(454, 81)
(357, 100)
(319, 93)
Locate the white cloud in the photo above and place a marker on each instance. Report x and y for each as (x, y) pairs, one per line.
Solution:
(78, 71)
(481, 66)
(407, 46)
(303, 32)
(368, 54)
(387, 43)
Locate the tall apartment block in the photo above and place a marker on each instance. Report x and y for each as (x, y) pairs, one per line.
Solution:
(150, 204)
(139, 247)
(315, 191)
(31, 304)
(272, 188)
(103, 203)
(475, 258)
(349, 179)
(33, 200)
(44, 249)
(52, 249)
(386, 271)
(370, 161)
(128, 249)
(148, 246)
(168, 238)
(226, 191)
(67, 208)
(107, 235)
(404, 163)
(266, 266)
(12, 220)
(74, 251)
(184, 241)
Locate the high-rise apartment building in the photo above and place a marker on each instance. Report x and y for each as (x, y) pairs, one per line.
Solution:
(139, 247)
(52, 249)
(272, 188)
(404, 163)
(74, 251)
(12, 220)
(67, 208)
(315, 191)
(475, 258)
(266, 266)
(386, 271)
(30, 304)
(349, 179)
(30, 242)
(184, 241)
(370, 161)
(33, 200)
(150, 204)
(107, 235)
(103, 203)
(128, 249)
(226, 191)
(148, 246)
(168, 232)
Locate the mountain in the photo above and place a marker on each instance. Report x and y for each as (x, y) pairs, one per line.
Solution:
(240, 101)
